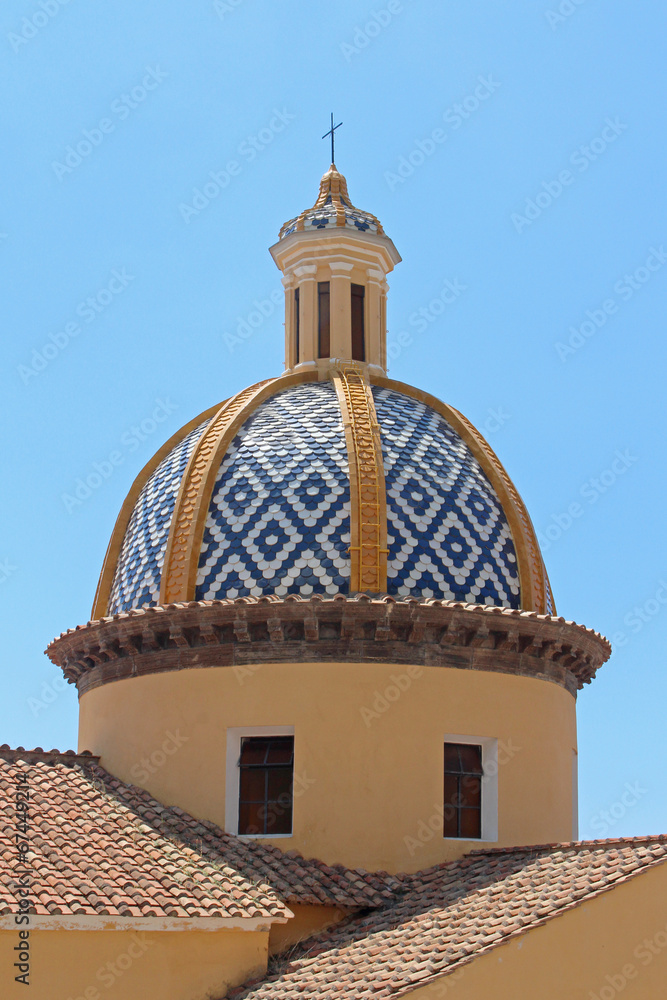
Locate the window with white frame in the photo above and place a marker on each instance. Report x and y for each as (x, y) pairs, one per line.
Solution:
(260, 778)
(470, 788)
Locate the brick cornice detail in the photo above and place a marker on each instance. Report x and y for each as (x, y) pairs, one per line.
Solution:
(360, 629)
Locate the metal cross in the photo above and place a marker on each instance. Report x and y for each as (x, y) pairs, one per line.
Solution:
(331, 133)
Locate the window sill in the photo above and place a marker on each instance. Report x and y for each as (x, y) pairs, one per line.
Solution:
(264, 836)
(471, 840)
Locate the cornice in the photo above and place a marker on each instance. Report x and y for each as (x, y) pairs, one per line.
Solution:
(360, 629)
(312, 245)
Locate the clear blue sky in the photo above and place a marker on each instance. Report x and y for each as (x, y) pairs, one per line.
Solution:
(543, 197)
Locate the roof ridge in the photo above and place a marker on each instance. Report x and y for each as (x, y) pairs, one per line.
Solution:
(560, 845)
(422, 944)
(48, 756)
(115, 873)
(263, 868)
(257, 849)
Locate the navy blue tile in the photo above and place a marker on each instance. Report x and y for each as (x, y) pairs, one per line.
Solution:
(440, 509)
(292, 443)
(136, 581)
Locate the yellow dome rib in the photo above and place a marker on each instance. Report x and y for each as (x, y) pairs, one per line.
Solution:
(368, 495)
(533, 581)
(179, 573)
(101, 602)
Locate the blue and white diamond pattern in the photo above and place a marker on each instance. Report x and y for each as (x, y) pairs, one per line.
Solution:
(447, 534)
(361, 221)
(326, 217)
(136, 582)
(279, 518)
(278, 521)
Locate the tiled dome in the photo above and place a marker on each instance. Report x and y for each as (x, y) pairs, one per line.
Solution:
(333, 208)
(136, 583)
(279, 517)
(447, 533)
(278, 520)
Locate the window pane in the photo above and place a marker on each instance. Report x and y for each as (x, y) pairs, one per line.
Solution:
(297, 326)
(323, 321)
(279, 820)
(252, 784)
(471, 823)
(452, 762)
(471, 791)
(450, 822)
(280, 782)
(451, 789)
(358, 330)
(253, 750)
(266, 774)
(471, 758)
(279, 814)
(281, 751)
(250, 818)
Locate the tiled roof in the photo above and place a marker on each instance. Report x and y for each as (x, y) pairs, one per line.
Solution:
(100, 846)
(449, 915)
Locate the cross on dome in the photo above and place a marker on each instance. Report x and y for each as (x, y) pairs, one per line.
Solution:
(331, 132)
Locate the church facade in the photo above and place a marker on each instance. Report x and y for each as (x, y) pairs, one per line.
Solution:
(327, 708)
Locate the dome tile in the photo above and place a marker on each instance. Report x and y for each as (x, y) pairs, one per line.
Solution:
(136, 580)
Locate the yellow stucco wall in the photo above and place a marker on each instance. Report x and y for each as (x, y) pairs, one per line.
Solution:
(614, 945)
(368, 769)
(307, 920)
(126, 965)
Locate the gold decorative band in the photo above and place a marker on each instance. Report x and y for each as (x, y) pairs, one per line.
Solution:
(179, 573)
(535, 589)
(368, 500)
(193, 498)
(101, 602)
(533, 581)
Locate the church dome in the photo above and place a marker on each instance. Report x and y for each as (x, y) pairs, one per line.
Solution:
(257, 498)
(331, 479)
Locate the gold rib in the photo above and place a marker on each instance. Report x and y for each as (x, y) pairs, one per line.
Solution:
(368, 499)
(179, 573)
(101, 602)
(532, 572)
(533, 580)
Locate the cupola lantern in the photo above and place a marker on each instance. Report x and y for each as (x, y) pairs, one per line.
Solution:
(335, 260)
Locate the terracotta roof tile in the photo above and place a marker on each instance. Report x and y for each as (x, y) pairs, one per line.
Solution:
(448, 915)
(100, 846)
